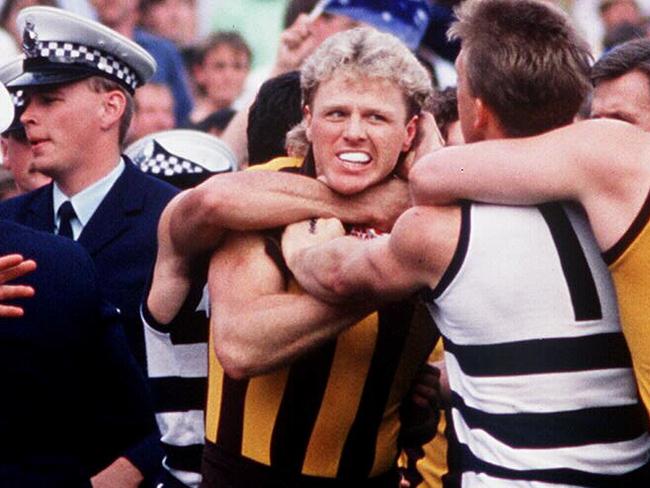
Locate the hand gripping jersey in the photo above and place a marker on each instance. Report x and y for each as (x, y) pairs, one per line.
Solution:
(541, 378)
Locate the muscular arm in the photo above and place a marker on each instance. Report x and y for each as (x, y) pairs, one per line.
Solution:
(173, 273)
(248, 201)
(348, 269)
(257, 325)
(600, 163)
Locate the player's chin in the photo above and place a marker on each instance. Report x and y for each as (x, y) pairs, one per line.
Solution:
(350, 185)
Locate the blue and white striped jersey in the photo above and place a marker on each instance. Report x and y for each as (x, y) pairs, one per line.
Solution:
(542, 387)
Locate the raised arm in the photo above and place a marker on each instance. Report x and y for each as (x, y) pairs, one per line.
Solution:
(600, 163)
(257, 324)
(248, 201)
(296, 43)
(348, 269)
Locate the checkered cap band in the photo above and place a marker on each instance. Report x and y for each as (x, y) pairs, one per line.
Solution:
(158, 161)
(69, 52)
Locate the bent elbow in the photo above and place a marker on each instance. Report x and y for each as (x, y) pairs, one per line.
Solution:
(212, 200)
(232, 360)
(238, 357)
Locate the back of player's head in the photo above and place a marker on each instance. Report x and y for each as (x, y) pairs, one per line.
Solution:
(444, 107)
(525, 61)
(274, 112)
(629, 56)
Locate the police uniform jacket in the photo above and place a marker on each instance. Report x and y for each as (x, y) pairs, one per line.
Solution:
(121, 239)
(73, 397)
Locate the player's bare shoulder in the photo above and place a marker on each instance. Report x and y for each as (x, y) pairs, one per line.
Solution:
(426, 238)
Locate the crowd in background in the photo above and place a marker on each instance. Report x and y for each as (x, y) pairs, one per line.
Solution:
(214, 54)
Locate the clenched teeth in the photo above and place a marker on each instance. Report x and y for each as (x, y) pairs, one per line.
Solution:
(355, 157)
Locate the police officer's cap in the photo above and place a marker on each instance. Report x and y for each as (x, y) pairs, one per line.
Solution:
(8, 72)
(181, 157)
(6, 108)
(60, 47)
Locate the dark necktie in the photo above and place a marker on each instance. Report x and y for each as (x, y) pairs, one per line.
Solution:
(66, 214)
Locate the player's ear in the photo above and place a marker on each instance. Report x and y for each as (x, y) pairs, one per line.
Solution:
(483, 115)
(411, 131)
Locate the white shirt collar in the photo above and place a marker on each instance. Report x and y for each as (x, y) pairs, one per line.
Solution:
(85, 202)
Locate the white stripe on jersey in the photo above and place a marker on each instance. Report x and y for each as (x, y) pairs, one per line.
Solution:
(190, 478)
(182, 428)
(482, 480)
(165, 359)
(593, 458)
(531, 392)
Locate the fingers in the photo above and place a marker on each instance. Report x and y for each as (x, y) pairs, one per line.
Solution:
(296, 43)
(13, 266)
(11, 292)
(425, 392)
(297, 33)
(10, 312)
(10, 261)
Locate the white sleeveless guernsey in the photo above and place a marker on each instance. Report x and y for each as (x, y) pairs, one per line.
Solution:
(542, 386)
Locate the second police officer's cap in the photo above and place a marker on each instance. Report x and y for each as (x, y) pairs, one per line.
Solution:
(6, 108)
(181, 157)
(405, 19)
(8, 72)
(60, 47)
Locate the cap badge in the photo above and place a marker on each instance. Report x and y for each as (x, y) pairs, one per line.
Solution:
(30, 40)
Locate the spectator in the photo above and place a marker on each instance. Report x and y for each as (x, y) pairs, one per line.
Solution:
(172, 19)
(407, 21)
(624, 32)
(220, 73)
(216, 122)
(153, 111)
(616, 12)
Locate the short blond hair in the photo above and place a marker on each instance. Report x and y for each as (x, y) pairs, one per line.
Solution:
(366, 52)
